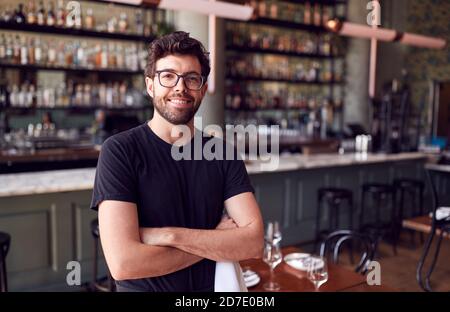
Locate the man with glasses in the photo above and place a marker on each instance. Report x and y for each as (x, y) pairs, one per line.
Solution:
(160, 219)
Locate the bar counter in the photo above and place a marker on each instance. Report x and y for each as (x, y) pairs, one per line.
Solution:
(48, 217)
(83, 179)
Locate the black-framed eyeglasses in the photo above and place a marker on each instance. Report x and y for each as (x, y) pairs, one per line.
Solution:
(169, 79)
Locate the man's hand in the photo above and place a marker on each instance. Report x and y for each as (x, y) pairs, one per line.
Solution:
(162, 236)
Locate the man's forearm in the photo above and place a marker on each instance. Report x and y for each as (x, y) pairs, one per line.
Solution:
(218, 245)
(150, 261)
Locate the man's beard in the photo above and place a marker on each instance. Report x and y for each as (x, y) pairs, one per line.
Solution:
(174, 115)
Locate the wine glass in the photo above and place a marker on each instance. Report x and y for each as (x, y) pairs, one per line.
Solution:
(276, 232)
(317, 271)
(272, 253)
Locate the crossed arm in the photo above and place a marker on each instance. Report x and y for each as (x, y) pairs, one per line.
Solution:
(137, 253)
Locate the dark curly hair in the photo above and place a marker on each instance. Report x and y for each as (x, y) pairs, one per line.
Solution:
(177, 42)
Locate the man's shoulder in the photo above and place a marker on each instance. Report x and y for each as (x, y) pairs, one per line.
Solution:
(125, 139)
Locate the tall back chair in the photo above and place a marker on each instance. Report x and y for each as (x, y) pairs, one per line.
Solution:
(334, 241)
(438, 226)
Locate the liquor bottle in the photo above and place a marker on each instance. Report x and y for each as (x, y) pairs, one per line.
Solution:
(19, 17)
(119, 57)
(31, 96)
(31, 55)
(104, 57)
(31, 15)
(22, 95)
(89, 21)
(274, 10)
(112, 60)
(51, 18)
(112, 25)
(60, 14)
(4, 98)
(41, 17)
(7, 15)
(14, 96)
(307, 17)
(123, 23)
(9, 53)
(16, 50)
(139, 24)
(38, 51)
(317, 15)
(2, 48)
(51, 55)
(69, 55)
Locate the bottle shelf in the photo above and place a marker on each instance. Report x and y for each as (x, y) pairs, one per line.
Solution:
(73, 32)
(278, 52)
(72, 69)
(290, 81)
(287, 24)
(73, 109)
(267, 109)
(323, 2)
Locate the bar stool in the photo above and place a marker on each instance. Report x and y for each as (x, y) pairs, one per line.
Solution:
(97, 284)
(415, 189)
(334, 197)
(5, 241)
(378, 229)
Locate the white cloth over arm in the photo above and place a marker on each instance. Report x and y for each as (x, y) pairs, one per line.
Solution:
(229, 278)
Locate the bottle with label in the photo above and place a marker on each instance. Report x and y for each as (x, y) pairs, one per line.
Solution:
(41, 16)
(60, 14)
(123, 23)
(89, 21)
(16, 51)
(19, 17)
(112, 60)
(112, 25)
(51, 17)
(317, 15)
(104, 56)
(307, 11)
(51, 55)
(9, 49)
(139, 23)
(38, 51)
(2, 48)
(7, 15)
(31, 14)
(30, 47)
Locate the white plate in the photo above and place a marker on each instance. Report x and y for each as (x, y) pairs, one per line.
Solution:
(297, 260)
(251, 278)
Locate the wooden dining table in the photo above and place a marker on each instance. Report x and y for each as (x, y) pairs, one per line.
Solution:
(340, 279)
(421, 224)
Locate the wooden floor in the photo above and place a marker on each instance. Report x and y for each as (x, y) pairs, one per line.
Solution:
(400, 271)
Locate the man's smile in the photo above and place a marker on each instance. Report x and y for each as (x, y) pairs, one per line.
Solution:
(180, 102)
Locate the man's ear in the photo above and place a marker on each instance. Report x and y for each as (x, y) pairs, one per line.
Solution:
(149, 83)
(204, 89)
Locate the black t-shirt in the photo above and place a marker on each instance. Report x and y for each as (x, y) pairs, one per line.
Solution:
(137, 166)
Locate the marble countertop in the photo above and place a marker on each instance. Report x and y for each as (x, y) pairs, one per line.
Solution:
(42, 182)
(298, 161)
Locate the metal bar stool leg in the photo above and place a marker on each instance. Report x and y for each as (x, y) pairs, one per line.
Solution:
(433, 263)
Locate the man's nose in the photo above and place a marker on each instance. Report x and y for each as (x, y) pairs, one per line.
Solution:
(180, 85)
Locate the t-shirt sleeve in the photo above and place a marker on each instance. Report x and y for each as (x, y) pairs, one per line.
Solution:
(114, 177)
(237, 180)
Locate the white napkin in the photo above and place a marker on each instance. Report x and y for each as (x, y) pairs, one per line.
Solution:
(229, 278)
(442, 213)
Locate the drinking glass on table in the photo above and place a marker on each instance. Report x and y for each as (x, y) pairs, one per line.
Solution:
(317, 271)
(272, 253)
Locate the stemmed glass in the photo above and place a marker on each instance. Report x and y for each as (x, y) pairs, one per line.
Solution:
(272, 253)
(317, 271)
